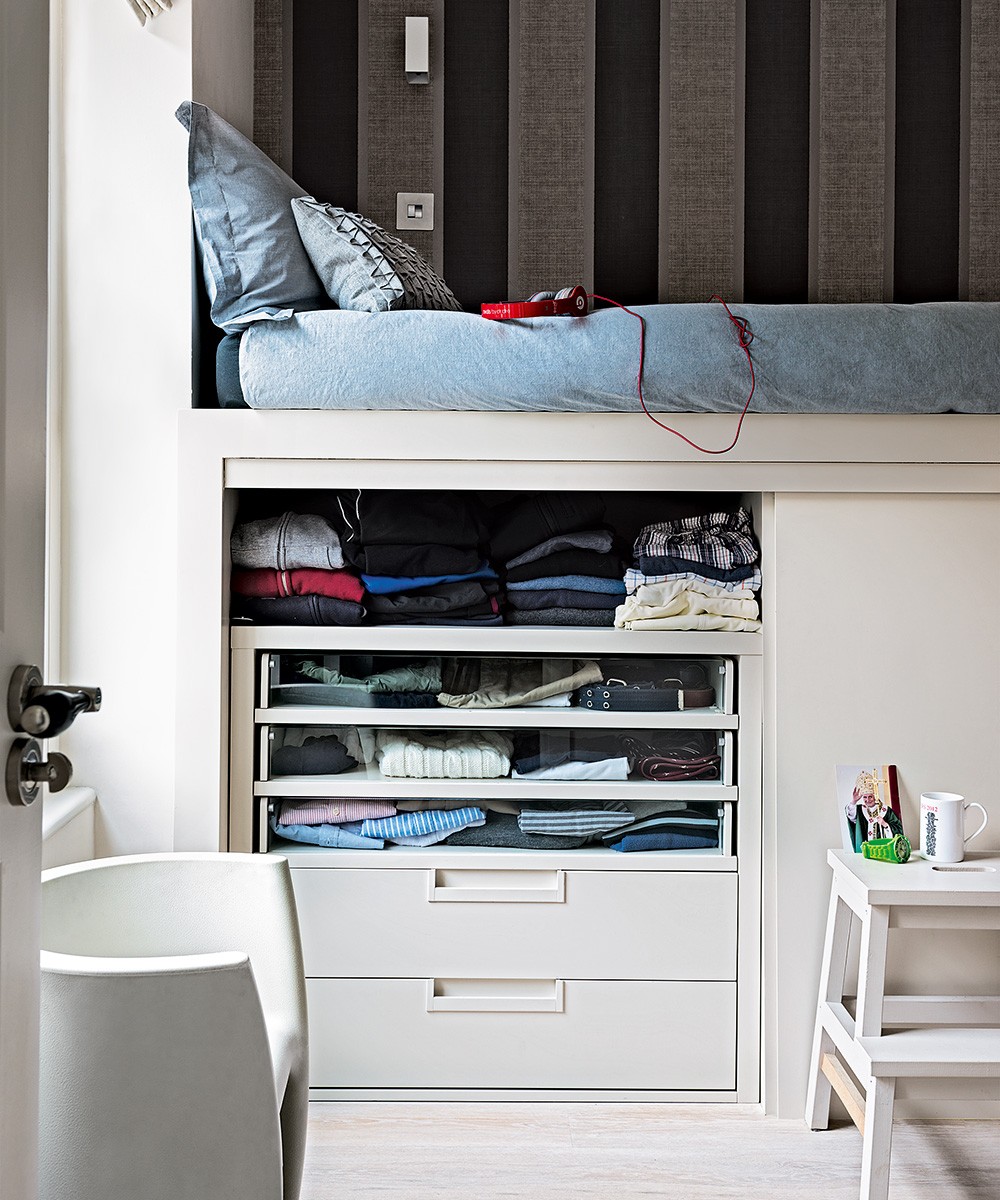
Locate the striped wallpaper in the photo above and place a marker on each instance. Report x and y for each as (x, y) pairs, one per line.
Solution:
(774, 151)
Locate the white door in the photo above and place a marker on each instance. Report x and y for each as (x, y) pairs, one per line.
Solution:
(23, 225)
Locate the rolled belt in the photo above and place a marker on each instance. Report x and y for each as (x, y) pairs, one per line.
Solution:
(643, 697)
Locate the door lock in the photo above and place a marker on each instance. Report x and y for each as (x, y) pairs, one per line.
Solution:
(27, 771)
(46, 710)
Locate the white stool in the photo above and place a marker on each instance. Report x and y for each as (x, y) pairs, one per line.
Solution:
(881, 896)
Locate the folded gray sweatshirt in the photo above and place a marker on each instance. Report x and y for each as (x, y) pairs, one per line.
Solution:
(287, 543)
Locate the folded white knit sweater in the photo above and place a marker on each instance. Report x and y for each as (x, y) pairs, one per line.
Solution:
(466, 755)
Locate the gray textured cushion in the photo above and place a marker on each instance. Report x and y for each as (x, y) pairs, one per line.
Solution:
(253, 260)
(364, 268)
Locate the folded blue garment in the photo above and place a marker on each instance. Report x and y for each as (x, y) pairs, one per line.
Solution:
(427, 820)
(663, 841)
(576, 583)
(381, 585)
(339, 836)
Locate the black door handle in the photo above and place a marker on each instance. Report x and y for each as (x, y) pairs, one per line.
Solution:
(46, 710)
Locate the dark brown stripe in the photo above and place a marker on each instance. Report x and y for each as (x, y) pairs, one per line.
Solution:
(475, 139)
(928, 129)
(701, 137)
(269, 81)
(984, 151)
(776, 176)
(626, 150)
(325, 99)
(552, 39)
(851, 226)
(400, 115)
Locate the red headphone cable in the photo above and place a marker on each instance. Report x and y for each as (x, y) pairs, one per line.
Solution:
(745, 336)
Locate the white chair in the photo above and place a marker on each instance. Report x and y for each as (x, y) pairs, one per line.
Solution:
(174, 1042)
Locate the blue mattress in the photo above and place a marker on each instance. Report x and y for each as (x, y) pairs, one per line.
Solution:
(808, 358)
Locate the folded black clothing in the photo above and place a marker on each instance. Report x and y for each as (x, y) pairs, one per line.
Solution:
(662, 839)
(563, 598)
(528, 522)
(560, 616)
(486, 607)
(297, 610)
(325, 755)
(407, 517)
(698, 822)
(441, 598)
(424, 559)
(404, 699)
(533, 750)
(569, 562)
(452, 618)
(501, 829)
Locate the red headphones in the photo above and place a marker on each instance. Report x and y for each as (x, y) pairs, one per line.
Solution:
(569, 302)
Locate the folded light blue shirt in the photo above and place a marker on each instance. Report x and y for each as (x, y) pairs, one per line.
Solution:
(428, 820)
(340, 837)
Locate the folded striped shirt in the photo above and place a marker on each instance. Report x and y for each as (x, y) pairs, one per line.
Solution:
(428, 820)
(333, 812)
(722, 539)
(580, 822)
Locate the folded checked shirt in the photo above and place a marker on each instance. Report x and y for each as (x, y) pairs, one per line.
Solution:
(506, 683)
(574, 583)
(604, 768)
(664, 600)
(721, 539)
(382, 584)
(600, 540)
(579, 822)
(569, 562)
(470, 754)
(338, 836)
(286, 543)
(562, 598)
(635, 578)
(304, 581)
(672, 565)
(333, 812)
(702, 621)
(427, 821)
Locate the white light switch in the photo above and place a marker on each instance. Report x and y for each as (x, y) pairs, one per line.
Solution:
(414, 210)
(417, 53)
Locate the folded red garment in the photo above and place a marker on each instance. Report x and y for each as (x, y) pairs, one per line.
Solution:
(306, 581)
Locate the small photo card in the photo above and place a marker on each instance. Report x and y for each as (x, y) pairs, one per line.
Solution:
(868, 803)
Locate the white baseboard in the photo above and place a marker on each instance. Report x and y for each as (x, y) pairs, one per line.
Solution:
(68, 826)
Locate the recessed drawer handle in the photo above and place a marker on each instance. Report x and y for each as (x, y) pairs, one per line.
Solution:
(496, 887)
(495, 995)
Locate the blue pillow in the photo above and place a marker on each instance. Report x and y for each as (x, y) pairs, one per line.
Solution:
(253, 260)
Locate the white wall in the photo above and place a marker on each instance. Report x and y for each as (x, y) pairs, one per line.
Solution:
(885, 648)
(124, 231)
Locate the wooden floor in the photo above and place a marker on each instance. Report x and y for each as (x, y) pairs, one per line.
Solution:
(457, 1151)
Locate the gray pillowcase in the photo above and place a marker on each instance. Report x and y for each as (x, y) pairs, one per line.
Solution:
(253, 260)
(363, 267)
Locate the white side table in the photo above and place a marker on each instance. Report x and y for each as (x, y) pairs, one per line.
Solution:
(944, 1034)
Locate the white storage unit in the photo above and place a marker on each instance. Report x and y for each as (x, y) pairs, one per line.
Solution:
(475, 972)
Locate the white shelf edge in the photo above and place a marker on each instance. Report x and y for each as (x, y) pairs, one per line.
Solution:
(573, 717)
(349, 783)
(546, 640)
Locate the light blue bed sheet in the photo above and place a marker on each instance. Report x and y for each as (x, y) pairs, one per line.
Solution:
(808, 358)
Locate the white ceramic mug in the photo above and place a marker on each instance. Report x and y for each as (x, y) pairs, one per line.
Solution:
(942, 826)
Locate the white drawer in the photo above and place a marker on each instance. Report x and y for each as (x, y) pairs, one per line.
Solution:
(532, 1033)
(518, 923)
